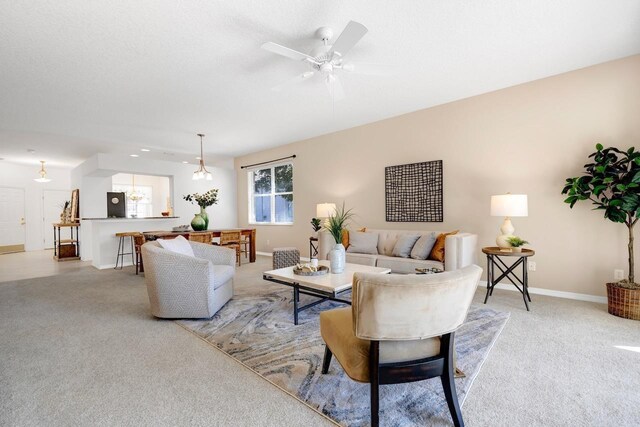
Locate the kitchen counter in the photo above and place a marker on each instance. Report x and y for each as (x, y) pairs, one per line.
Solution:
(130, 218)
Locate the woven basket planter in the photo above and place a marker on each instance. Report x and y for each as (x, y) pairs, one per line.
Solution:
(623, 302)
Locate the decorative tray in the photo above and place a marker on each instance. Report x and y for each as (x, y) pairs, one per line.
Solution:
(322, 270)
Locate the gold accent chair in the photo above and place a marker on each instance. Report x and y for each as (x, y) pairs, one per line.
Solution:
(400, 328)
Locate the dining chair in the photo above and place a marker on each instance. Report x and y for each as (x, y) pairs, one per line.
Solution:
(231, 239)
(138, 241)
(201, 237)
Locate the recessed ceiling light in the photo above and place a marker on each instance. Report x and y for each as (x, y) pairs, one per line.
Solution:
(146, 150)
(185, 162)
(134, 155)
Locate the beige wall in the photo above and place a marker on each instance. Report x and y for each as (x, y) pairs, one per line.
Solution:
(524, 139)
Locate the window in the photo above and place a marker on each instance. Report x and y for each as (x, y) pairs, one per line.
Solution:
(138, 204)
(271, 195)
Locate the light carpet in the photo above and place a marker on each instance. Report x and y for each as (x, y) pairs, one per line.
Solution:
(257, 329)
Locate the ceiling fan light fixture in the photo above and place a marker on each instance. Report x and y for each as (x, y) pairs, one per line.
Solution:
(43, 174)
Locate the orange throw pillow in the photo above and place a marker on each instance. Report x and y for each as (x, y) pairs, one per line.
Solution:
(437, 253)
(345, 238)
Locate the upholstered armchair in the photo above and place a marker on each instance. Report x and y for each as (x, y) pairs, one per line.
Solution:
(400, 328)
(181, 286)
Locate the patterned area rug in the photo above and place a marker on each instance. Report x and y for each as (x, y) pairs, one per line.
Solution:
(257, 329)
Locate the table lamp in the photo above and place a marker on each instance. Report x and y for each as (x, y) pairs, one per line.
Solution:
(508, 205)
(325, 210)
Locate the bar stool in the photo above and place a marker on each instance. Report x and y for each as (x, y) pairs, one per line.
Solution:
(121, 247)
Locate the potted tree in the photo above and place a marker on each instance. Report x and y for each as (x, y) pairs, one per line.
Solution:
(612, 183)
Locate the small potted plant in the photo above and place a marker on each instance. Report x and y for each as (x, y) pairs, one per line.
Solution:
(315, 224)
(612, 183)
(335, 226)
(516, 243)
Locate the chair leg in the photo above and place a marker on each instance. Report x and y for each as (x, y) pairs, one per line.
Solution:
(448, 383)
(118, 256)
(327, 359)
(374, 379)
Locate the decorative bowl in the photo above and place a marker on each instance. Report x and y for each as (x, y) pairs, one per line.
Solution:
(322, 270)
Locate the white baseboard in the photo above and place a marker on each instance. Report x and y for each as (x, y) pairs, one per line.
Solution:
(549, 292)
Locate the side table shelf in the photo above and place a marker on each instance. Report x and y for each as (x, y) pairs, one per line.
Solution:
(66, 249)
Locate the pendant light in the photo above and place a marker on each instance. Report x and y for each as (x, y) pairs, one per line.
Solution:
(202, 172)
(43, 173)
(134, 196)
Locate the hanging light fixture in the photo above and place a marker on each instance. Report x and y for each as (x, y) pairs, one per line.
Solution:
(202, 172)
(134, 196)
(43, 174)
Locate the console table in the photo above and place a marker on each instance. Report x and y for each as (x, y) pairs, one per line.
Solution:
(66, 249)
(494, 259)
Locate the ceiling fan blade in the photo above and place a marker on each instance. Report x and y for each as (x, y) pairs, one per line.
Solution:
(351, 35)
(285, 51)
(297, 79)
(368, 69)
(334, 86)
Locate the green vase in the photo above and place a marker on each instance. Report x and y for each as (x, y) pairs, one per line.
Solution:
(203, 214)
(198, 223)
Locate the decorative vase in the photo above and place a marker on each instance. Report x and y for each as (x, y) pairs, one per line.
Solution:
(337, 259)
(205, 216)
(518, 249)
(198, 223)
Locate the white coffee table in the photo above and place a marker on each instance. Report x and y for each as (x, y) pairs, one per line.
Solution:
(325, 287)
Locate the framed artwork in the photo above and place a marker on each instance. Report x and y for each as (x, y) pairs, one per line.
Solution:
(75, 205)
(413, 192)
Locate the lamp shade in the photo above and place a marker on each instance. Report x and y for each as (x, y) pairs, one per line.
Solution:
(325, 210)
(509, 205)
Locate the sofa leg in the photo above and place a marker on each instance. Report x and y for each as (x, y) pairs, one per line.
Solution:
(374, 379)
(327, 359)
(448, 383)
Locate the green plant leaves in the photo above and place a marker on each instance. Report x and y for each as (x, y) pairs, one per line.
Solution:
(611, 182)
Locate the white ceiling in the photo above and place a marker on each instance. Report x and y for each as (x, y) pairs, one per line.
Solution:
(79, 77)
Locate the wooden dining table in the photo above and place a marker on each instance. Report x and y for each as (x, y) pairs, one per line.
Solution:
(249, 232)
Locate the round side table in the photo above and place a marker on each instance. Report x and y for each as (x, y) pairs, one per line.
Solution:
(494, 260)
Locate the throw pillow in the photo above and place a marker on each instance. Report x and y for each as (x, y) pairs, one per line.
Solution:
(423, 246)
(179, 245)
(345, 237)
(404, 244)
(437, 253)
(363, 243)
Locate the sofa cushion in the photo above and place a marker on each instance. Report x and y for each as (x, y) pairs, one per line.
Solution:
(423, 246)
(363, 243)
(221, 274)
(437, 253)
(406, 265)
(362, 259)
(404, 244)
(179, 245)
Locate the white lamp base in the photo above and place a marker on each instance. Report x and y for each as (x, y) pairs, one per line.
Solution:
(506, 231)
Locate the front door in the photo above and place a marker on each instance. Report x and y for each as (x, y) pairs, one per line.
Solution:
(12, 223)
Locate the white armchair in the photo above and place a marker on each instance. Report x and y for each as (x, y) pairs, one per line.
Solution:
(180, 286)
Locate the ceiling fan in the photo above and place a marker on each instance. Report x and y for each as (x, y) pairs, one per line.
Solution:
(327, 59)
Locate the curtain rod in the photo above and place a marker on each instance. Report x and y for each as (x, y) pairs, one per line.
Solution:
(270, 161)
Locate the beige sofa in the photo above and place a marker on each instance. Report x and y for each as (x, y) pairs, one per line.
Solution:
(460, 251)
